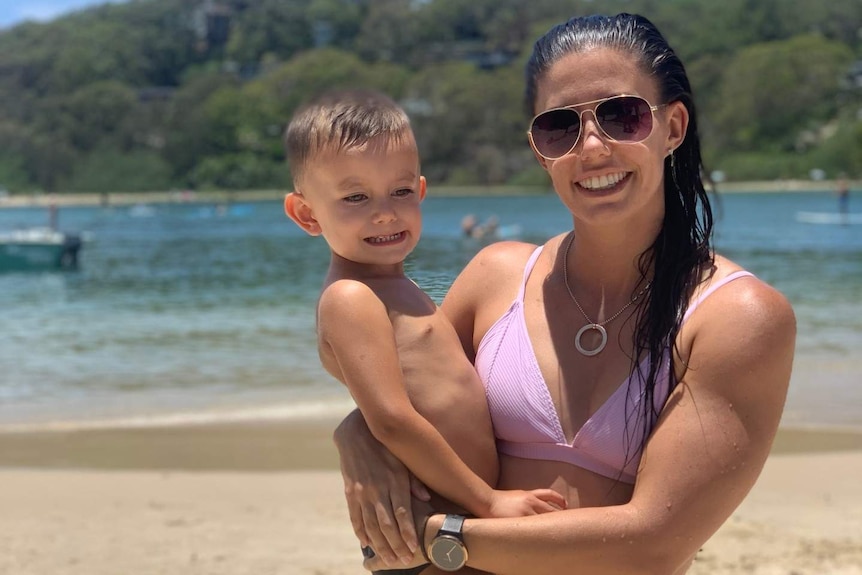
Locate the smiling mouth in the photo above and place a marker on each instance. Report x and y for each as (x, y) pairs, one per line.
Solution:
(603, 182)
(385, 239)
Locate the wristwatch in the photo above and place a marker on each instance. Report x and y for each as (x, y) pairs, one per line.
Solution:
(447, 551)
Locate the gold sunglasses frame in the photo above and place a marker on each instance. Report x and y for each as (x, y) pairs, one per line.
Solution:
(595, 104)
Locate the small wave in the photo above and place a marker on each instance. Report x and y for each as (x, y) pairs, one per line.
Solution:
(273, 413)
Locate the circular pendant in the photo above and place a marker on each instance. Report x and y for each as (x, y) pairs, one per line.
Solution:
(585, 329)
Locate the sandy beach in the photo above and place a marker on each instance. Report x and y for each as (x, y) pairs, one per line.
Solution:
(266, 499)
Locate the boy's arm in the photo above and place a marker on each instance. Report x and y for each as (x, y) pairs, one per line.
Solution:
(355, 325)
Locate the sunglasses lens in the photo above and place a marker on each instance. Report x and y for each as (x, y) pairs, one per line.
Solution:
(555, 132)
(625, 119)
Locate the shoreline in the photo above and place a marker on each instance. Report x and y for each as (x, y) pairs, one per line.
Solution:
(196, 197)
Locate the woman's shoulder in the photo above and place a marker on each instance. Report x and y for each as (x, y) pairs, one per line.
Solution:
(753, 291)
(512, 254)
(507, 259)
(492, 275)
(728, 299)
(740, 337)
(503, 254)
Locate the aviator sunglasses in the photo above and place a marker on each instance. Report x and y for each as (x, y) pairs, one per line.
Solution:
(628, 119)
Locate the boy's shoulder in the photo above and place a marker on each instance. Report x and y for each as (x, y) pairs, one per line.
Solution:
(345, 292)
(346, 304)
(346, 300)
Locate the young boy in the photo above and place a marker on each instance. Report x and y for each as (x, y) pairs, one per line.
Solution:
(355, 167)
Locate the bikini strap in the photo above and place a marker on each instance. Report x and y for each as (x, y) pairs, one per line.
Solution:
(725, 280)
(527, 271)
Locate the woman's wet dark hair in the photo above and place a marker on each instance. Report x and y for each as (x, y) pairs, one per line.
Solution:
(682, 250)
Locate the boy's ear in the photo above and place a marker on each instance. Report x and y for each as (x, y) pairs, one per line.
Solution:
(422, 187)
(298, 209)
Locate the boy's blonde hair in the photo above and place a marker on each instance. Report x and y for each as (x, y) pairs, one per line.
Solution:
(338, 121)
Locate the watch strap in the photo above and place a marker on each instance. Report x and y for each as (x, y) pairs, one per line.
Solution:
(452, 525)
(422, 539)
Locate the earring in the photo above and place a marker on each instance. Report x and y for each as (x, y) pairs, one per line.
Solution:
(673, 167)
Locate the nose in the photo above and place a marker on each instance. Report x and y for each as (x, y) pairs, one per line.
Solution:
(384, 212)
(593, 142)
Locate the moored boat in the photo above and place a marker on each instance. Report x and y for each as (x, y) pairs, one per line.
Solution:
(38, 249)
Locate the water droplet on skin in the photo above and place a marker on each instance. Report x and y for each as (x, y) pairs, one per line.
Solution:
(669, 505)
(604, 539)
(730, 406)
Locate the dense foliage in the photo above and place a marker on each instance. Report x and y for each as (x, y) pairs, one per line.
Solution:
(158, 94)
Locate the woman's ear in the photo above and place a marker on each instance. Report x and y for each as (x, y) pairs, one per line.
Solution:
(542, 161)
(298, 209)
(677, 123)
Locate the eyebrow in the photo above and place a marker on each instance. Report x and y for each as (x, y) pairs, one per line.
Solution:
(351, 181)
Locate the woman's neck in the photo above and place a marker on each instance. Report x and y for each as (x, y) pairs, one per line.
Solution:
(605, 263)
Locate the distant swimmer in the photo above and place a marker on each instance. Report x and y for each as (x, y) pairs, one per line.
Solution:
(471, 227)
(843, 191)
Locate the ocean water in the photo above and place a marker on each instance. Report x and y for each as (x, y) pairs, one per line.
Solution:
(191, 312)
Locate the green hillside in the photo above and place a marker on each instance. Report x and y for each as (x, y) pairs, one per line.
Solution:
(175, 94)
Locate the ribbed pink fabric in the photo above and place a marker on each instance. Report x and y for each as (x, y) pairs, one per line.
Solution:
(525, 420)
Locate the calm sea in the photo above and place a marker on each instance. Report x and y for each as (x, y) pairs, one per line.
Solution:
(190, 312)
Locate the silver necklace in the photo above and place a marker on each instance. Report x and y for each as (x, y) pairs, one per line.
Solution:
(591, 325)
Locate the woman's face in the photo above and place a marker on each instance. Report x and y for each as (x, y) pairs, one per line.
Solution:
(603, 181)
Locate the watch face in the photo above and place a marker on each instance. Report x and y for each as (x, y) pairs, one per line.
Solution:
(447, 553)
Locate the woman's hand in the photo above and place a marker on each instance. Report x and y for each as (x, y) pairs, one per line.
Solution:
(421, 512)
(378, 490)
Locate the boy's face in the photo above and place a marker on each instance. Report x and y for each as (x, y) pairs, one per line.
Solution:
(364, 201)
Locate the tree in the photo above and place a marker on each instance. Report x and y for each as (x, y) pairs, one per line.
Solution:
(276, 27)
(458, 112)
(97, 112)
(187, 123)
(317, 71)
(387, 32)
(771, 91)
(110, 170)
(335, 23)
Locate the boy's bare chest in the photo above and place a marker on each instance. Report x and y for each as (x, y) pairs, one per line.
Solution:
(419, 329)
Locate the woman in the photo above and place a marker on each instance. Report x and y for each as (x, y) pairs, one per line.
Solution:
(634, 294)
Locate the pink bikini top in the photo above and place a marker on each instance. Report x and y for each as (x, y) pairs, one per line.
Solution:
(525, 420)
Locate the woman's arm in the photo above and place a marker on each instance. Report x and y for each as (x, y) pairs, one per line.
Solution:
(703, 457)
(378, 489)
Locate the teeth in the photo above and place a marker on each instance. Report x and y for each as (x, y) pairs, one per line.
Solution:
(384, 239)
(599, 182)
